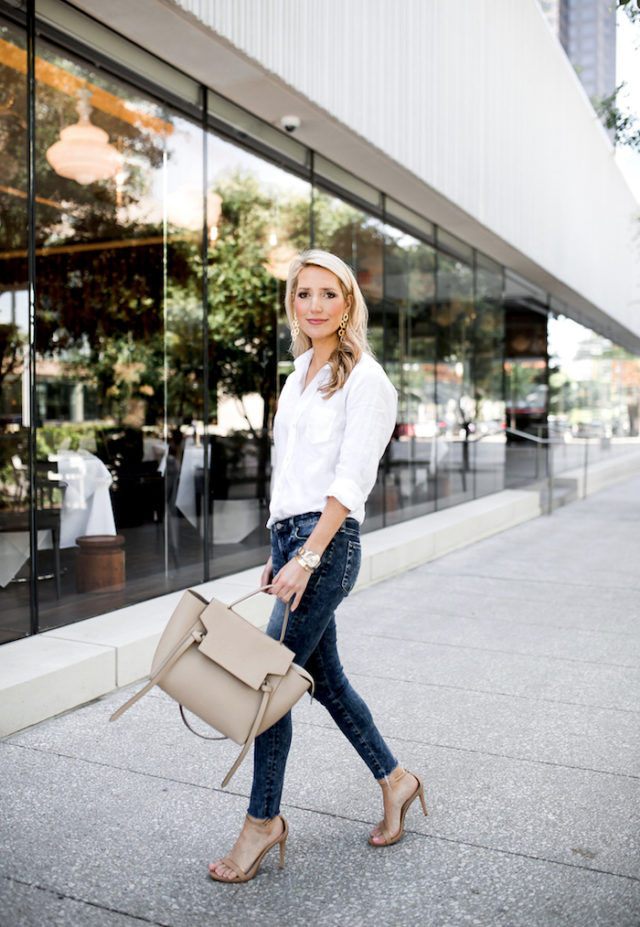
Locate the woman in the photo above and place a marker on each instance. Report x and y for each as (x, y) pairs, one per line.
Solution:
(335, 417)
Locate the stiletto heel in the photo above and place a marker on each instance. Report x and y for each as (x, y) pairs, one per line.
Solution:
(241, 875)
(421, 795)
(417, 793)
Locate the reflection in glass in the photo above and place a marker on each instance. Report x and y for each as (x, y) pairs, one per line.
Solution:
(14, 339)
(454, 321)
(118, 340)
(489, 410)
(358, 238)
(594, 395)
(410, 363)
(262, 221)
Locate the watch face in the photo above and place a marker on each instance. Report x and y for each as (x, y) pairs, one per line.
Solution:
(310, 557)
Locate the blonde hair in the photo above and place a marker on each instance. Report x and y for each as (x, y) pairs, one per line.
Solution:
(353, 343)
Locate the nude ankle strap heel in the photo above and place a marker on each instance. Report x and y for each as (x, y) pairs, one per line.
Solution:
(242, 875)
(417, 793)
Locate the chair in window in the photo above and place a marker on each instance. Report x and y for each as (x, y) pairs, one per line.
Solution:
(21, 479)
(49, 494)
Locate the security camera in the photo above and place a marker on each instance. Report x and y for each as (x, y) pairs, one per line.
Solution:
(290, 123)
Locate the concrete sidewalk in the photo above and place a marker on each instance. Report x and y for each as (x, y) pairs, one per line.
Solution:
(505, 673)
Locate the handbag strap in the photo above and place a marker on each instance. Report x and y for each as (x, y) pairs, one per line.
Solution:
(194, 635)
(267, 692)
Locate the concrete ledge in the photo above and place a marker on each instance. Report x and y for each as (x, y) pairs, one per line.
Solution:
(408, 544)
(50, 673)
(49, 677)
(604, 473)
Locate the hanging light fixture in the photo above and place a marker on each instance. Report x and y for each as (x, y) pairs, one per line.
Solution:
(83, 153)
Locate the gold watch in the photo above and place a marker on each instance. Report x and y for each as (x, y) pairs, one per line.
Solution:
(308, 559)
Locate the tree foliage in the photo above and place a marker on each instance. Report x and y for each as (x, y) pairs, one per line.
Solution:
(615, 115)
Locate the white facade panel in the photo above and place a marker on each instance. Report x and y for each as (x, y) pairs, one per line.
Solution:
(478, 101)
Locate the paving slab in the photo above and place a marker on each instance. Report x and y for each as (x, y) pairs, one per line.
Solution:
(507, 674)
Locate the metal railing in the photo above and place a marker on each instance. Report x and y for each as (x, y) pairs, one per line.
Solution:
(547, 444)
(577, 452)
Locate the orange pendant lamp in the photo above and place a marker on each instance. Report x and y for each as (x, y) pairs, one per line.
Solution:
(83, 153)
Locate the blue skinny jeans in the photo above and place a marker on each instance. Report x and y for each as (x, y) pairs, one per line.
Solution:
(311, 634)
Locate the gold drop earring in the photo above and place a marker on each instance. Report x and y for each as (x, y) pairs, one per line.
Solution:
(295, 328)
(343, 325)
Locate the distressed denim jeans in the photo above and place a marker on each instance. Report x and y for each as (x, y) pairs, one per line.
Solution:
(311, 634)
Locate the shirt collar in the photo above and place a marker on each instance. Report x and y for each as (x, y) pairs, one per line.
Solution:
(301, 365)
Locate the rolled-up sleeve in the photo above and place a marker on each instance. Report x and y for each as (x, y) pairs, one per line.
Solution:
(371, 407)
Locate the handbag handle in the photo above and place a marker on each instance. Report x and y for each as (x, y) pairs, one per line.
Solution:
(264, 589)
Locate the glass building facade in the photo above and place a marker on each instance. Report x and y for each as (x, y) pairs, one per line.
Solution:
(143, 340)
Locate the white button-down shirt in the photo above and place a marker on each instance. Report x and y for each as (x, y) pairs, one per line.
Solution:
(330, 446)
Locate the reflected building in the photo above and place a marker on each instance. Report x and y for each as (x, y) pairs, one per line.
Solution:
(142, 335)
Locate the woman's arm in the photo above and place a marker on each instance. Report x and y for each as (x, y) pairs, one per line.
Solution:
(292, 579)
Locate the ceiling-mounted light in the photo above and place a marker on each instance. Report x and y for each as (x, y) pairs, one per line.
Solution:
(83, 153)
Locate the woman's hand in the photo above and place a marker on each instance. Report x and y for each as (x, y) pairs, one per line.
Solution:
(267, 576)
(291, 580)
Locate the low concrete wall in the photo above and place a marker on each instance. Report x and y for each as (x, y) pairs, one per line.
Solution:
(604, 473)
(50, 673)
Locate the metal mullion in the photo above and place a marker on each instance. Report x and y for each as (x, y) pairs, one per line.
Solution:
(31, 276)
(205, 341)
(474, 360)
(384, 341)
(436, 346)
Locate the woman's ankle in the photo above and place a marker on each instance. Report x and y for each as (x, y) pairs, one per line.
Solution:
(393, 778)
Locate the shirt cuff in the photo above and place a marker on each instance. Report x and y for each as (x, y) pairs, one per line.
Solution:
(347, 492)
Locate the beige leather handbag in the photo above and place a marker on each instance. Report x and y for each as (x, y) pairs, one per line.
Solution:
(226, 671)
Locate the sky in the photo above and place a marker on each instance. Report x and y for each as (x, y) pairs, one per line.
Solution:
(628, 70)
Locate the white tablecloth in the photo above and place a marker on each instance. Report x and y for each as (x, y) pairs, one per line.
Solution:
(192, 459)
(86, 506)
(233, 519)
(14, 551)
(155, 449)
(86, 509)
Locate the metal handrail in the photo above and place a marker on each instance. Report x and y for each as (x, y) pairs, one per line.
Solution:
(549, 443)
(529, 436)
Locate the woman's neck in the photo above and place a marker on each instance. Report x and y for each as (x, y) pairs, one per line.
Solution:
(322, 350)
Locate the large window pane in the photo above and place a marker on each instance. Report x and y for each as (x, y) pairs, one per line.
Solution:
(594, 395)
(14, 312)
(410, 363)
(358, 238)
(258, 220)
(453, 315)
(489, 408)
(118, 337)
(526, 380)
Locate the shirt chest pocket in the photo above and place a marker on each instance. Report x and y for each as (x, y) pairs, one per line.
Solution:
(320, 425)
